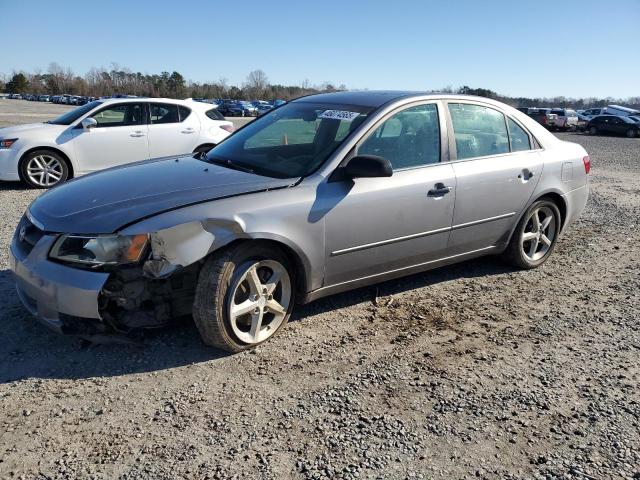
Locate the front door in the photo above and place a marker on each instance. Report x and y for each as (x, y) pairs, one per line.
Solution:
(496, 170)
(119, 137)
(377, 225)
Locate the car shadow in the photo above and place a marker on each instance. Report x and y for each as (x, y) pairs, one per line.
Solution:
(29, 350)
(13, 186)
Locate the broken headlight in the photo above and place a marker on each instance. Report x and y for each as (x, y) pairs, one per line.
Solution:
(97, 251)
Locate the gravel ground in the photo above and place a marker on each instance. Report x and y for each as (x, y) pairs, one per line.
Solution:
(475, 370)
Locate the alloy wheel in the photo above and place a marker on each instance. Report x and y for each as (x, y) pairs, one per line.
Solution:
(44, 170)
(259, 298)
(539, 233)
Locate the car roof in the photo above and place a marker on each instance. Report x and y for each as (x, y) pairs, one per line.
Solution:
(378, 98)
(186, 103)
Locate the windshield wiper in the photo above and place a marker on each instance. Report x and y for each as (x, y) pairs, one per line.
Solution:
(228, 163)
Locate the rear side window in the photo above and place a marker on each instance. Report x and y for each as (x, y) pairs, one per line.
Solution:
(479, 131)
(518, 137)
(214, 114)
(163, 113)
(184, 112)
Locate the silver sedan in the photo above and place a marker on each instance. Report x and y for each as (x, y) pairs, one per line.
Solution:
(324, 194)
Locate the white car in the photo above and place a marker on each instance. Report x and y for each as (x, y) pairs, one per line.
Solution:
(107, 133)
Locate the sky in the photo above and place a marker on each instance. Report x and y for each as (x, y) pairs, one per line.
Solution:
(574, 48)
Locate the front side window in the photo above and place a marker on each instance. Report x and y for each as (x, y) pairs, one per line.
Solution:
(410, 138)
(122, 115)
(291, 141)
(70, 117)
(479, 131)
(163, 113)
(518, 137)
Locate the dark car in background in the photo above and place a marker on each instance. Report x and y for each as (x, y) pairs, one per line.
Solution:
(615, 124)
(543, 116)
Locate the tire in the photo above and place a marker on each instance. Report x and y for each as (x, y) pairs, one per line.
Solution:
(593, 131)
(43, 169)
(533, 252)
(226, 281)
(631, 133)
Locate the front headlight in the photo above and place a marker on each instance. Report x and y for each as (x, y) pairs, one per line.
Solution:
(100, 250)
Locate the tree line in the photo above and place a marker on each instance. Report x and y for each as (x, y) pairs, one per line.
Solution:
(117, 80)
(99, 82)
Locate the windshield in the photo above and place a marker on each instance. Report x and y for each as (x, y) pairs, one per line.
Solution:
(291, 141)
(70, 117)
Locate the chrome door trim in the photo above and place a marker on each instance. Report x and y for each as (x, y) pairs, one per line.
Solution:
(389, 241)
(381, 243)
(483, 220)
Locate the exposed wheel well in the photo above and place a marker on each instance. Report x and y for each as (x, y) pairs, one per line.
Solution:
(50, 149)
(560, 203)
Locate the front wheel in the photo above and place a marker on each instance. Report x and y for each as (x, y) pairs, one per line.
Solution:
(593, 130)
(245, 295)
(44, 169)
(631, 133)
(535, 236)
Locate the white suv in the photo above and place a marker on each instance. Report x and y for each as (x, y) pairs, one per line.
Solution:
(107, 133)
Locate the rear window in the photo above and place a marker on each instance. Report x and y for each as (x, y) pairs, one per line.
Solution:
(214, 114)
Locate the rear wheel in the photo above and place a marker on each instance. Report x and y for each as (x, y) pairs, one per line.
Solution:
(44, 169)
(535, 236)
(632, 133)
(245, 295)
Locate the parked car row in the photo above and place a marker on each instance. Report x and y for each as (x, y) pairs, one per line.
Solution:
(242, 108)
(553, 118)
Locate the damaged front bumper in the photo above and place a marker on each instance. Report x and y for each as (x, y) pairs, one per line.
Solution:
(83, 302)
(64, 299)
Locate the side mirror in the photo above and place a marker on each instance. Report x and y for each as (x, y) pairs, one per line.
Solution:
(368, 166)
(89, 123)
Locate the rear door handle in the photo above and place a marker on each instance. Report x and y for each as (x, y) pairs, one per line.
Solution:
(188, 130)
(439, 189)
(137, 133)
(526, 174)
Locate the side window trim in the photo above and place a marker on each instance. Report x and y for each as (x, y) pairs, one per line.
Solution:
(442, 127)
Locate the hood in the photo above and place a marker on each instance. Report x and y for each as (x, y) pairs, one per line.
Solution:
(8, 132)
(105, 201)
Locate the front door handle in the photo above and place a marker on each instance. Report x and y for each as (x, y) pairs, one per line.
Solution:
(137, 133)
(439, 189)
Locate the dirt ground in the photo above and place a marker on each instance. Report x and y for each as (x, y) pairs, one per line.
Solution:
(471, 371)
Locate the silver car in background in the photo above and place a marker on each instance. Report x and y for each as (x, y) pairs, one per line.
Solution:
(327, 193)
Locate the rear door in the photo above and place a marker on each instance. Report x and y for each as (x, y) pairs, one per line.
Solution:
(119, 137)
(173, 129)
(496, 169)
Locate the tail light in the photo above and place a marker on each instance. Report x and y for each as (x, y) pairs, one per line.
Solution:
(544, 120)
(587, 164)
(228, 128)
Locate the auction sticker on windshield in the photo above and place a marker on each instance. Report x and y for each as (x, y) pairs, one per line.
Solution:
(339, 115)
